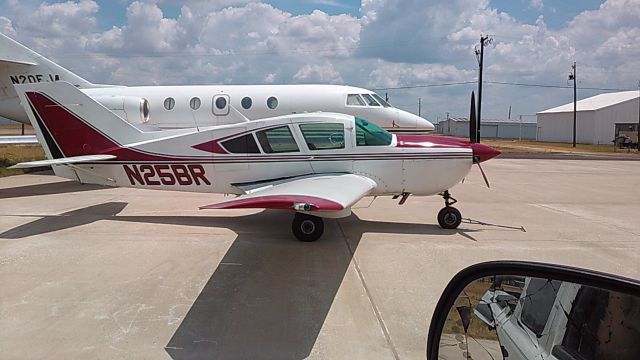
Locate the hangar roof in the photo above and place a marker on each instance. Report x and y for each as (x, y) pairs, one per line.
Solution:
(595, 102)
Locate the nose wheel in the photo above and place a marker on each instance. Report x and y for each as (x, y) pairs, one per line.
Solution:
(306, 227)
(449, 217)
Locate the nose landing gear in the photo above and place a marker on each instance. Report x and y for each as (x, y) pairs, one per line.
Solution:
(449, 217)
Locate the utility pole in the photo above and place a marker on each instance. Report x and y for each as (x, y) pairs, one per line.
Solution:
(572, 76)
(386, 97)
(510, 113)
(484, 40)
(419, 106)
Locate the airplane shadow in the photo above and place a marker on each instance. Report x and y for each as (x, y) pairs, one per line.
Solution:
(270, 294)
(62, 187)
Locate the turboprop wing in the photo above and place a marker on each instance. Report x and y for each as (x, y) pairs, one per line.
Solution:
(330, 194)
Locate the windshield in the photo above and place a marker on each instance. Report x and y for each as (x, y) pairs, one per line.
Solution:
(370, 134)
(381, 100)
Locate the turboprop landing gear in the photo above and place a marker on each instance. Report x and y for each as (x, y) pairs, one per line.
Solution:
(449, 217)
(307, 227)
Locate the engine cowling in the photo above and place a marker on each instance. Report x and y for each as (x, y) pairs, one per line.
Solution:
(131, 108)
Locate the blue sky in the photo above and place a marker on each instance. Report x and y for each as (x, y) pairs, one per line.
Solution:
(556, 13)
(393, 44)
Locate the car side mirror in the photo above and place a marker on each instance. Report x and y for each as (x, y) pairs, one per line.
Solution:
(525, 310)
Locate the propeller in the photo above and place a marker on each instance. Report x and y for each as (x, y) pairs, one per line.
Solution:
(473, 123)
(478, 149)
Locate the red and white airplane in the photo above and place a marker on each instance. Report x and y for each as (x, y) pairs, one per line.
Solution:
(317, 165)
(184, 106)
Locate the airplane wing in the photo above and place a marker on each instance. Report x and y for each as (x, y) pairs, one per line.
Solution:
(321, 193)
(18, 139)
(62, 161)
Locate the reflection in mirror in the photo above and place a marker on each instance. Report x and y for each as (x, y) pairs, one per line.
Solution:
(515, 317)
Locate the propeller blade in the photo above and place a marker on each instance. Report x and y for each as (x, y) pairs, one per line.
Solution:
(473, 123)
(484, 176)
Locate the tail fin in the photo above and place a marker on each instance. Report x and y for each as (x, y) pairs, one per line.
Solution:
(69, 123)
(21, 65)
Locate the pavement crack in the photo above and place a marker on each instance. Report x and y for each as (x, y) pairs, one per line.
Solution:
(376, 310)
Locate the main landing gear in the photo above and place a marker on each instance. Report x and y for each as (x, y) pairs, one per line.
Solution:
(449, 217)
(306, 227)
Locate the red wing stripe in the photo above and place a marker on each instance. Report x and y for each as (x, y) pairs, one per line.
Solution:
(278, 202)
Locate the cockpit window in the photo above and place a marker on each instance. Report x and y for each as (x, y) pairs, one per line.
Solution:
(370, 100)
(354, 100)
(245, 144)
(370, 134)
(277, 140)
(381, 100)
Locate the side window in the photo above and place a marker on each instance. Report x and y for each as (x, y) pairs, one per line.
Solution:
(245, 144)
(272, 102)
(246, 102)
(194, 103)
(323, 136)
(277, 140)
(370, 100)
(354, 100)
(169, 103)
(538, 302)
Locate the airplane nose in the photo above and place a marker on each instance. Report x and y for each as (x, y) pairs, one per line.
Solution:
(483, 152)
(413, 122)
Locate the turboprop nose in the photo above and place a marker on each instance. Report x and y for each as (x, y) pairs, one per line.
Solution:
(482, 152)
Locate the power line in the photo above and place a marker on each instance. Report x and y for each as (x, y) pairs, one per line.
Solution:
(425, 86)
(496, 83)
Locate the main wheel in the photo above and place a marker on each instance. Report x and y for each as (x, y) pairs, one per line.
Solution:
(307, 227)
(449, 218)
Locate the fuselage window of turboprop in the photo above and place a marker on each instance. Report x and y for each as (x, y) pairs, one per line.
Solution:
(245, 144)
(370, 134)
(277, 140)
(323, 136)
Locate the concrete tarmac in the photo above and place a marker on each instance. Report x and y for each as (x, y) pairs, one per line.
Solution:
(93, 272)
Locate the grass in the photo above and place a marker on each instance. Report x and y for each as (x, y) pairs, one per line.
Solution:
(13, 154)
(531, 147)
(15, 129)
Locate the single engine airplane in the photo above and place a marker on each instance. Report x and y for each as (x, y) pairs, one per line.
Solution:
(196, 106)
(317, 165)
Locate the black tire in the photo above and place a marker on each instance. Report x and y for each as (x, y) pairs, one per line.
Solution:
(307, 228)
(449, 218)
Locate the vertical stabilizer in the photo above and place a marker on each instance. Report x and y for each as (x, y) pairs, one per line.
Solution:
(69, 123)
(21, 65)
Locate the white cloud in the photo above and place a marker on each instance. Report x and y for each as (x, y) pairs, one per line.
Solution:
(393, 43)
(536, 4)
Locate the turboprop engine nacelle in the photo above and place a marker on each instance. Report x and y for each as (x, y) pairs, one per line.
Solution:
(131, 108)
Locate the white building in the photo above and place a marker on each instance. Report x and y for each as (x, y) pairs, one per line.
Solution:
(596, 118)
(524, 128)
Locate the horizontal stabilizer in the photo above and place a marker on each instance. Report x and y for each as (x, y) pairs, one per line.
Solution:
(62, 161)
(17, 62)
(18, 139)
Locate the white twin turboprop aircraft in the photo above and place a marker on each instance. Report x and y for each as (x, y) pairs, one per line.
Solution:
(315, 164)
(171, 107)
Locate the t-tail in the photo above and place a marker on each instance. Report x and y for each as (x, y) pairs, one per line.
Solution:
(21, 65)
(72, 127)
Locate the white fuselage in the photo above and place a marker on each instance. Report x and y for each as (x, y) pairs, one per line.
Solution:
(395, 169)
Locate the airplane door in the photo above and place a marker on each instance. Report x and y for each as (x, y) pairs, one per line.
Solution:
(221, 105)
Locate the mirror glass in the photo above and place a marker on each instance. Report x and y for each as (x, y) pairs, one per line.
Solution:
(516, 317)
